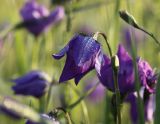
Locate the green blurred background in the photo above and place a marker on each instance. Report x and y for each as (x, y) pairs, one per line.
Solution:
(21, 52)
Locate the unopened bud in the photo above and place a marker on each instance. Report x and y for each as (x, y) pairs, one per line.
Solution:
(127, 17)
(115, 62)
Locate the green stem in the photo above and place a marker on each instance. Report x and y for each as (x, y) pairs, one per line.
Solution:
(137, 84)
(117, 92)
(150, 34)
(85, 111)
(115, 75)
(95, 36)
(82, 97)
(42, 104)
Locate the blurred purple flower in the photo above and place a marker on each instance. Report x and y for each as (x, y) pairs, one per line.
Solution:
(125, 74)
(98, 94)
(33, 83)
(147, 76)
(38, 17)
(9, 112)
(138, 37)
(44, 116)
(81, 55)
(149, 106)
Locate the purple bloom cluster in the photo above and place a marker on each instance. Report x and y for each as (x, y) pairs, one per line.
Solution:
(38, 18)
(84, 54)
(125, 75)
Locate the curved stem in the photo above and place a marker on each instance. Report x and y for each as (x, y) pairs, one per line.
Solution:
(95, 36)
(115, 67)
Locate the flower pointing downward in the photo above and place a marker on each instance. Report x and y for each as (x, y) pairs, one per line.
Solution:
(81, 54)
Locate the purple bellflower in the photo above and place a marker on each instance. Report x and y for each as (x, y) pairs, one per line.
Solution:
(149, 105)
(38, 18)
(125, 74)
(44, 116)
(81, 54)
(147, 76)
(98, 94)
(33, 83)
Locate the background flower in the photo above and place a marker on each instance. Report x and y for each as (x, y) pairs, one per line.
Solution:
(38, 18)
(98, 94)
(33, 83)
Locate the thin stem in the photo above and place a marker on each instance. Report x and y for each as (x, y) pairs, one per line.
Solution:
(117, 92)
(82, 97)
(115, 75)
(85, 111)
(105, 37)
(49, 93)
(151, 35)
(137, 85)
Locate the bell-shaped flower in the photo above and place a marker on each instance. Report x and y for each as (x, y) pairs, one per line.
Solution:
(37, 18)
(33, 83)
(81, 54)
(125, 74)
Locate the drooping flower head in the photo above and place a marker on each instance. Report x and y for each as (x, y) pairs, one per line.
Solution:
(147, 76)
(125, 74)
(37, 18)
(33, 83)
(44, 116)
(81, 54)
(98, 94)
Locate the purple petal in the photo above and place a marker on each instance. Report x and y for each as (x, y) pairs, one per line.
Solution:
(61, 53)
(84, 48)
(70, 70)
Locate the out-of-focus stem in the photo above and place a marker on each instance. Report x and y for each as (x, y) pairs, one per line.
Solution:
(82, 97)
(137, 85)
(85, 111)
